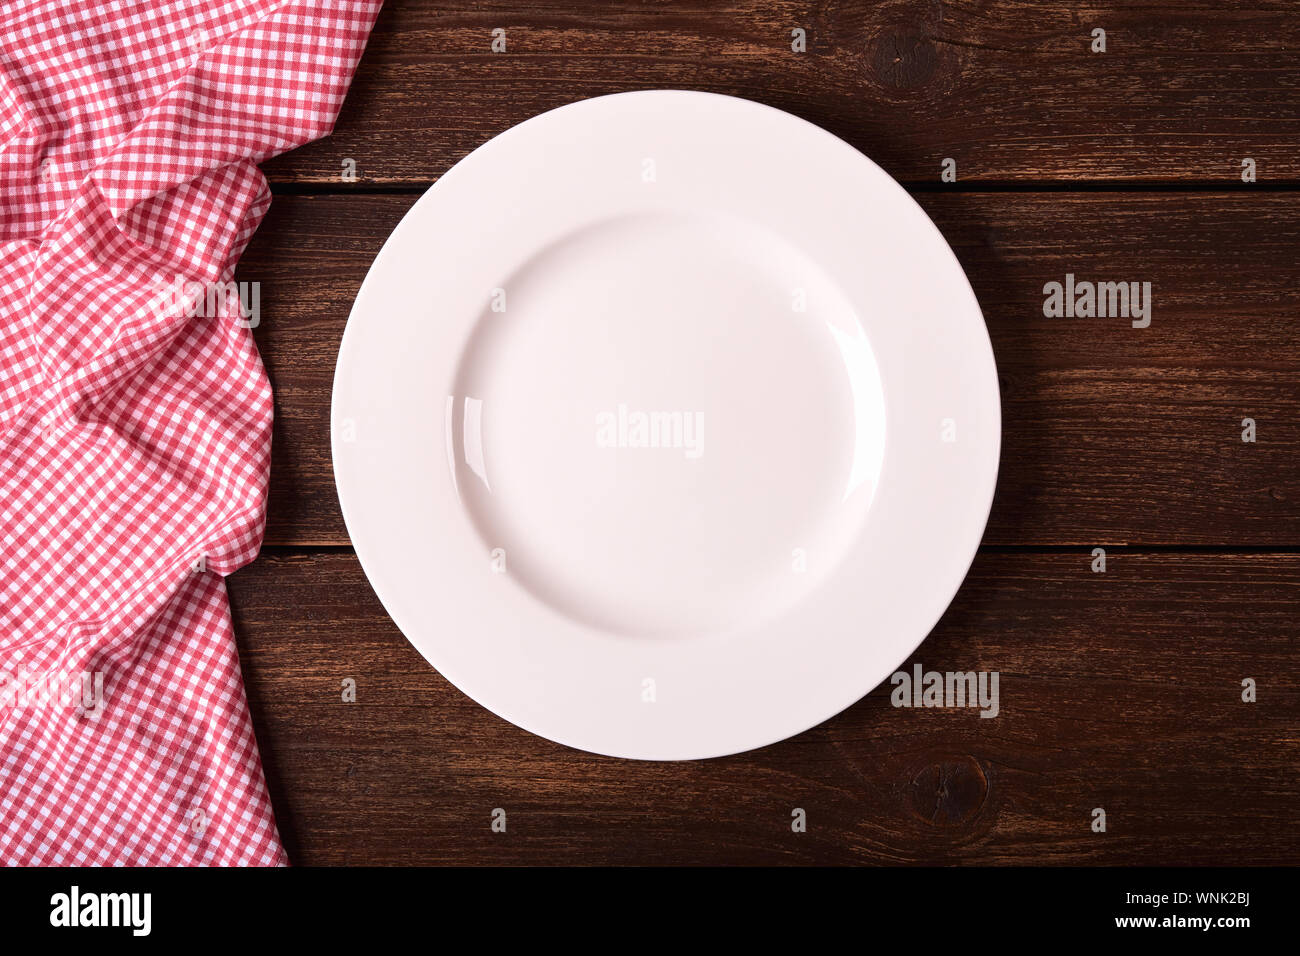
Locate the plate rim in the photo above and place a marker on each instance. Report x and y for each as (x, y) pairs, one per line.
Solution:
(352, 523)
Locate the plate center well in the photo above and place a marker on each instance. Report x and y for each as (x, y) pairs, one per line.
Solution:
(667, 424)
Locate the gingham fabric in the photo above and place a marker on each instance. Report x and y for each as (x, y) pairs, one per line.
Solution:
(135, 415)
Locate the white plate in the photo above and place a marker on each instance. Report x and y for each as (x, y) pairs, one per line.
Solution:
(665, 425)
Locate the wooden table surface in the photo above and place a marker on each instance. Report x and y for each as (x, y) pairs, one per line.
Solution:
(1120, 690)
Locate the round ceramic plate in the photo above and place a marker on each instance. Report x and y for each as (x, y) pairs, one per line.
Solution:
(665, 425)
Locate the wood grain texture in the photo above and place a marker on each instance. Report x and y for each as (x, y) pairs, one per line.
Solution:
(1111, 434)
(1008, 88)
(1118, 690)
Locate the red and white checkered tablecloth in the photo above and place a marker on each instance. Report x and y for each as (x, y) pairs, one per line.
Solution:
(135, 415)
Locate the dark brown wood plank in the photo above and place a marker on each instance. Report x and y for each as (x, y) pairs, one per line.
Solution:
(1119, 690)
(1111, 434)
(1009, 89)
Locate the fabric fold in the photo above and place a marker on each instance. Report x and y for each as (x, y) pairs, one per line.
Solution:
(135, 414)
